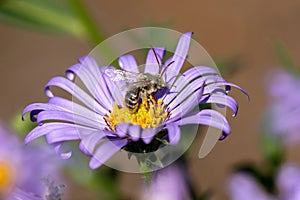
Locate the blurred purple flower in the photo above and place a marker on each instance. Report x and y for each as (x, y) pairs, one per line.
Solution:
(243, 186)
(100, 120)
(288, 182)
(168, 183)
(284, 108)
(22, 168)
(53, 192)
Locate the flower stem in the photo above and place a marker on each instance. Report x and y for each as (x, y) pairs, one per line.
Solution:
(93, 33)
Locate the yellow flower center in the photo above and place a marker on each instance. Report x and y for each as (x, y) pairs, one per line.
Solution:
(7, 178)
(148, 115)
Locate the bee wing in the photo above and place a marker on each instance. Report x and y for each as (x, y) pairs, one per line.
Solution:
(121, 75)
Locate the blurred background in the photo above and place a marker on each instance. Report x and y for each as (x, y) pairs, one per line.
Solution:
(240, 35)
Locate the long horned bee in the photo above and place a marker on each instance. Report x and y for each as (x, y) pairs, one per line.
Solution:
(141, 86)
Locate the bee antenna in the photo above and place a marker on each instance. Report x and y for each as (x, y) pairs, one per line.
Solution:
(164, 70)
(156, 57)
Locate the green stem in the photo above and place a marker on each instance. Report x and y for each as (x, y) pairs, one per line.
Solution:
(93, 32)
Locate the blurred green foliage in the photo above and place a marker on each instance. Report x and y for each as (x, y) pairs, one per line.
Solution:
(60, 17)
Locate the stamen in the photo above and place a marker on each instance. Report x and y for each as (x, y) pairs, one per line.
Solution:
(150, 114)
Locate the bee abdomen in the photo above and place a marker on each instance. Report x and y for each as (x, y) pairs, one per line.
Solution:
(132, 99)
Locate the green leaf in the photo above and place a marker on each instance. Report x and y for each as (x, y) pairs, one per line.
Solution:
(43, 15)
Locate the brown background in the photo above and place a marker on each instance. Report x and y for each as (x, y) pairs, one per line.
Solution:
(226, 29)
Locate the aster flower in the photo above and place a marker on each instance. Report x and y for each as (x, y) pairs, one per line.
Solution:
(21, 168)
(54, 192)
(288, 182)
(168, 183)
(243, 186)
(284, 106)
(104, 125)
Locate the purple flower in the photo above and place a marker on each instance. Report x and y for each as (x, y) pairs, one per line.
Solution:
(22, 168)
(53, 192)
(168, 183)
(103, 123)
(288, 182)
(242, 186)
(284, 108)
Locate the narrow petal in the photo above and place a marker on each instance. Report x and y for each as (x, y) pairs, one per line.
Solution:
(207, 117)
(90, 142)
(233, 85)
(75, 108)
(122, 129)
(148, 134)
(62, 155)
(193, 78)
(181, 106)
(39, 107)
(243, 186)
(58, 131)
(106, 151)
(173, 133)
(76, 91)
(135, 132)
(128, 63)
(179, 56)
(70, 117)
(225, 100)
(152, 65)
(83, 149)
(91, 78)
(116, 88)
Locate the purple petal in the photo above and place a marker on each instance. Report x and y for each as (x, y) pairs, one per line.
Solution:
(90, 63)
(179, 56)
(90, 142)
(106, 151)
(83, 149)
(57, 131)
(151, 65)
(70, 117)
(39, 107)
(122, 129)
(19, 194)
(63, 105)
(77, 92)
(288, 181)
(116, 88)
(75, 108)
(233, 85)
(91, 77)
(173, 133)
(223, 99)
(128, 63)
(134, 131)
(182, 104)
(148, 134)
(207, 117)
(199, 75)
(242, 186)
(62, 155)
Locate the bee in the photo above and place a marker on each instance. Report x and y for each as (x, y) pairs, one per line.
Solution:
(141, 86)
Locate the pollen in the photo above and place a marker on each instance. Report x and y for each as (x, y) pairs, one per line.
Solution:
(150, 114)
(7, 178)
